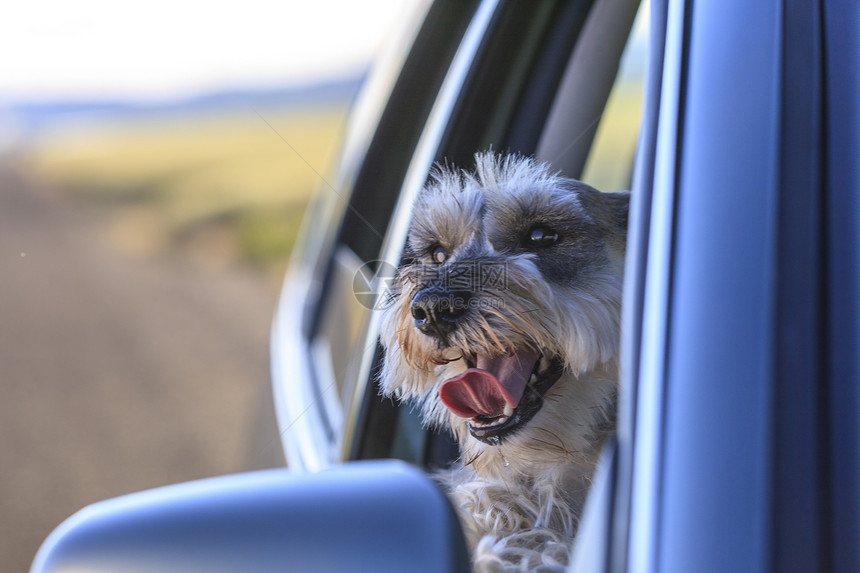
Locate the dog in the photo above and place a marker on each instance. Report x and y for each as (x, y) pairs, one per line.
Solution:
(502, 324)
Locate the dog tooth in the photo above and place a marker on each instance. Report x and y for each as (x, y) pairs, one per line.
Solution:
(533, 379)
(544, 364)
(508, 410)
(451, 355)
(489, 424)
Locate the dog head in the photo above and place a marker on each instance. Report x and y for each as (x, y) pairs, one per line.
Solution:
(503, 321)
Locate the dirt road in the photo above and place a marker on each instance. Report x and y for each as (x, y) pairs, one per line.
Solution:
(116, 373)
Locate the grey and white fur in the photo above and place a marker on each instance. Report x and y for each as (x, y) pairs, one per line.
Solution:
(503, 326)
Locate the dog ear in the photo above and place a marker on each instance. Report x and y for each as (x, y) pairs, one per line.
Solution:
(610, 211)
(619, 208)
(620, 201)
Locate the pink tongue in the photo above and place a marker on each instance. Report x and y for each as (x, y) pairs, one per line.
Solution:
(484, 391)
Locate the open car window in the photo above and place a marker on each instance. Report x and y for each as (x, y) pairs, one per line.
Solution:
(560, 81)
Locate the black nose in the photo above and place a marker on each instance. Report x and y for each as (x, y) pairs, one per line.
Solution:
(437, 310)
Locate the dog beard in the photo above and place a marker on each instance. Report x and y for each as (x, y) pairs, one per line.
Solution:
(502, 324)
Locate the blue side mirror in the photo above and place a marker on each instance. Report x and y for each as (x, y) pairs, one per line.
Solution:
(364, 516)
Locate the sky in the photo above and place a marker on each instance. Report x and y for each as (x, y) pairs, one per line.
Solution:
(167, 49)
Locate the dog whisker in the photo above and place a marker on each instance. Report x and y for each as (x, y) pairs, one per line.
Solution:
(474, 458)
(561, 445)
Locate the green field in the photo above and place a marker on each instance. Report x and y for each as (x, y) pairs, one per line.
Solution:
(233, 186)
(232, 189)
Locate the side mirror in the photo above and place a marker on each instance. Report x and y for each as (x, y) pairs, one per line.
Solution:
(363, 516)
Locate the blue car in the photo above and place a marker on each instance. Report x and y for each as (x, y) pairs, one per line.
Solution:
(736, 126)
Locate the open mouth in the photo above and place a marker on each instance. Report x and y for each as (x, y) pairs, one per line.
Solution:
(499, 395)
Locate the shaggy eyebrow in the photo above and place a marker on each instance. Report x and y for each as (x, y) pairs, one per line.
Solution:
(526, 215)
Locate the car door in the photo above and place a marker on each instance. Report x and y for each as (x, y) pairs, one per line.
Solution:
(738, 434)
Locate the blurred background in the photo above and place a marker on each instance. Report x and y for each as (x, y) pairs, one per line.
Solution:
(155, 162)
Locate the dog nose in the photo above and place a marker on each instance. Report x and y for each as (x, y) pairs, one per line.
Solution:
(437, 310)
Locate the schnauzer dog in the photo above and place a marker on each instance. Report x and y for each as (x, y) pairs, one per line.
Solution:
(503, 325)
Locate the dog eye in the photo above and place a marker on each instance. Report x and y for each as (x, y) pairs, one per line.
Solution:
(542, 237)
(439, 255)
